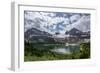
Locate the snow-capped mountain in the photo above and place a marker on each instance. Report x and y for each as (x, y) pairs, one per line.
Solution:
(74, 31)
(37, 36)
(35, 32)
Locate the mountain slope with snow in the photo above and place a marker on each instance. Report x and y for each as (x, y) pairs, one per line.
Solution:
(53, 22)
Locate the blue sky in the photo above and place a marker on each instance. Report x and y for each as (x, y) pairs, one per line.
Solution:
(56, 21)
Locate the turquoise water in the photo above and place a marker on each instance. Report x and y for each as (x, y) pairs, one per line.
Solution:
(66, 49)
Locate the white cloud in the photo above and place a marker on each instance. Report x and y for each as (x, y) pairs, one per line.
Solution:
(82, 24)
(42, 20)
(75, 18)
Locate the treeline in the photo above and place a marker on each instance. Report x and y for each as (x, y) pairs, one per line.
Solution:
(38, 52)
(42, 40)
(85, 50)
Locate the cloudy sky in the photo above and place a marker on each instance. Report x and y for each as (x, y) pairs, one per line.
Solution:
(56, 21)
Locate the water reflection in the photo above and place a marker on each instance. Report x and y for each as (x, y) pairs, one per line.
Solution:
(66, 49)
(62, 50)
